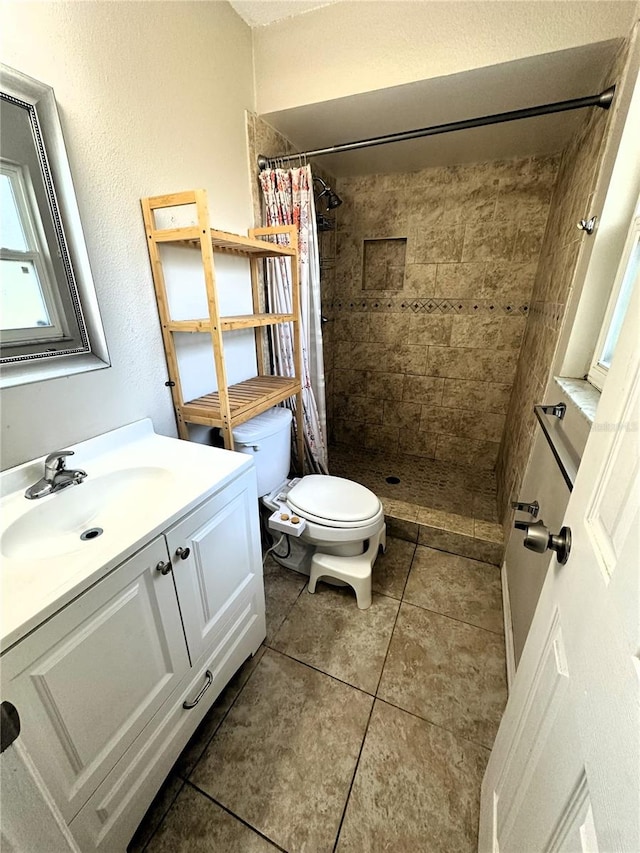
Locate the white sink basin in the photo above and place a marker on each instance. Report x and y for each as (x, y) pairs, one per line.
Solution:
(53, 526)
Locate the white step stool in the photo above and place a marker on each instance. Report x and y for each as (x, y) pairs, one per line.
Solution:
(355, 571)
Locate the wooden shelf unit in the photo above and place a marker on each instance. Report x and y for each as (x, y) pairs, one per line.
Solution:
(230, 404)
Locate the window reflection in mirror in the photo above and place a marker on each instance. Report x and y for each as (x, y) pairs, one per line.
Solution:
(48, 309)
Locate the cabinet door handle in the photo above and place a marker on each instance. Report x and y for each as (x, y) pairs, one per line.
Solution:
(163, 568)
(183, 553)
(188, 705)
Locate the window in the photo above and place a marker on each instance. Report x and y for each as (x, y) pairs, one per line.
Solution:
(626, 278)
(28, 307)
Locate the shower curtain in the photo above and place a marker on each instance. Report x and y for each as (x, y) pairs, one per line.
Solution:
(288, 200)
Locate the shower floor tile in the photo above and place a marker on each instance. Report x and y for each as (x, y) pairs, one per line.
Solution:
(448, 506)
(422, 482)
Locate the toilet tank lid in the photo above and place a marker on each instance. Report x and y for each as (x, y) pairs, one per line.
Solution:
(262, 426)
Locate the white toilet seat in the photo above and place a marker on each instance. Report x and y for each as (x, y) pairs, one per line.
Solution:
(334, 502)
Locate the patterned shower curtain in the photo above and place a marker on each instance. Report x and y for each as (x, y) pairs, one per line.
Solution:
(288, 199)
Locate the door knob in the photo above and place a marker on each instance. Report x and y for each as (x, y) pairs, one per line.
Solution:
(163, 568)
(183, 553)
(537, 538)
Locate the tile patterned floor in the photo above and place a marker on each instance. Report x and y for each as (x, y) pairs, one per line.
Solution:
(441, 505)
(428, 483)
(351, 731)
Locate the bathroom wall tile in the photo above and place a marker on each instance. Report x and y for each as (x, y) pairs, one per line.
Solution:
(480, 454)
(527, 244)
(507, 282)
(488, 530)
(476, 396)
(450, 521)
(348, 432)
(351, 327)
(381, 437)
(456, 586)
(329, 632)
(413, 359)
(439, 244)
(440, 420)
(349, 381)
(426, 329)
(427, 390)
(401, 510)
(489, 241)
(323, 723)
(462, 683)
(461, 281)
(361, 409)
(391, 569)
(459, 543)
(466, 363)
(385, 386)
(484, 509)
(418, 443)
(401, 529)
(431, 209)
(434, 801)
(388, 328)
(419, 279)
(484, 426)
(195, 824)
(405, 416)
(497, 333)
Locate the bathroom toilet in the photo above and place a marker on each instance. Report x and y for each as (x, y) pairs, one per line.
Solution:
(343, 522)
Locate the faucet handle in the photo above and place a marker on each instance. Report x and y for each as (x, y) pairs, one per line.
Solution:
(55, 461)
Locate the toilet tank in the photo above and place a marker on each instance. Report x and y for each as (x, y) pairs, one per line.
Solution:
(267, 438)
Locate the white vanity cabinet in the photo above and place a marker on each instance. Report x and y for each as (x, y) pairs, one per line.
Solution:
(215, 551)
(106, 688)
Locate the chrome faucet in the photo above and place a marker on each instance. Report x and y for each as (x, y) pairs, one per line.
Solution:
(56, 476)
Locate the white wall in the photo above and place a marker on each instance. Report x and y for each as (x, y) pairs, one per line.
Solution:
(152, 99)
(359, 46)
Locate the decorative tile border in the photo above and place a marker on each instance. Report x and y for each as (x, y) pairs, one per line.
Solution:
(430, 305)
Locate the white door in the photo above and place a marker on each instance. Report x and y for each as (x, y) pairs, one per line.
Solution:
(88, 680)
(564, 774)
(217, 566)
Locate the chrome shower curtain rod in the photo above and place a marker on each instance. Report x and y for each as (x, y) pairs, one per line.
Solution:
(603, 100)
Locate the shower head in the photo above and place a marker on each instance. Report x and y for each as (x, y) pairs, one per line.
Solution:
(333, 199)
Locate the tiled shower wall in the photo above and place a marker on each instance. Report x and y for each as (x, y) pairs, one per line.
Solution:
(433, 279)
(578, 174)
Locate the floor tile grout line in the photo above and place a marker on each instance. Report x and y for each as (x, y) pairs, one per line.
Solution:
(322, 672)
(395, 622)
(413, 714)
(353, 777)
(237, 817)
(452, 618)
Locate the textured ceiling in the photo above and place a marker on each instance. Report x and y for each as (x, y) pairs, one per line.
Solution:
(259, 13)
(546, 78)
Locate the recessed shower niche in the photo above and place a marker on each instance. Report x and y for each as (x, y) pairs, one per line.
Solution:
(383, 264)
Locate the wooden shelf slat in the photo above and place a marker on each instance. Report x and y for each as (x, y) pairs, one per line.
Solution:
(246, 399)
(233, 244)
(228, 324)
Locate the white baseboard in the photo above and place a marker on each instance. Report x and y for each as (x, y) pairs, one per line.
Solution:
(508, 629)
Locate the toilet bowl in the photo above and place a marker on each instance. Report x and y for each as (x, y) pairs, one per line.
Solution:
(341, 518)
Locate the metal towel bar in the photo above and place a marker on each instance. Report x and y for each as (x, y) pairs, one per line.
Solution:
(543, 413)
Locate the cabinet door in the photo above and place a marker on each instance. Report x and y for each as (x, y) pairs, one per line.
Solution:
(88, 680)
(221, 578)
